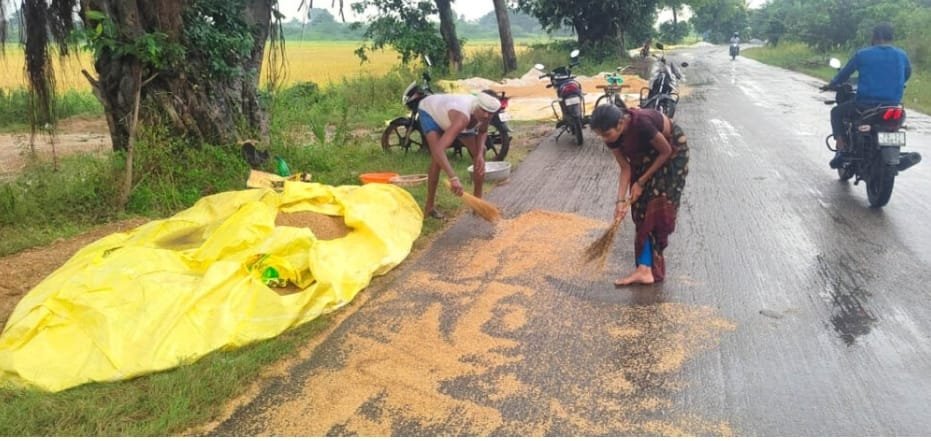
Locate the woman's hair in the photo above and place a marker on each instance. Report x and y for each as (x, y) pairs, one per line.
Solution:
(606, 116)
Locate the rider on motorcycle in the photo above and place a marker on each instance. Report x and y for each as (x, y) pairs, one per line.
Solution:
(735, 39)
(883, 69)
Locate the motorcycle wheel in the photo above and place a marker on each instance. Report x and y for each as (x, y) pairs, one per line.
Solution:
(577, 131)
(498, 142)
(879, 186)
(668, 107)
(393, 137)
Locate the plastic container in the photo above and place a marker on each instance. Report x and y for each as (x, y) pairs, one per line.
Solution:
(379, 177)
(408, 180)
(495, 170)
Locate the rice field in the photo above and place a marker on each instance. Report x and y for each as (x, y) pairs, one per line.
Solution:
(322, 62)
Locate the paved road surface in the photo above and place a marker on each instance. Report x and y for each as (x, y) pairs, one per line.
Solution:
(790, 308)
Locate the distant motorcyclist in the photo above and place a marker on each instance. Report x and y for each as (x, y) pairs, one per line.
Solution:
(645, 50)
(735, 46)
(883, 70)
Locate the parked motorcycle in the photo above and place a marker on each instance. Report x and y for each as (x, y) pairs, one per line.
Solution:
(571, 114)
(875, 141)
(405, 132)
(663, 93)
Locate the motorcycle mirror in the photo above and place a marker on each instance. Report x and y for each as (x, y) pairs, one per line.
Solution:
(427, 59)
(659, 46)
(835, 63)
(684, 64)
(538, 66)
(574, 53)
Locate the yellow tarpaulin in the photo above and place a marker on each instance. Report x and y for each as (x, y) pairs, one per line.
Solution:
(174, 290)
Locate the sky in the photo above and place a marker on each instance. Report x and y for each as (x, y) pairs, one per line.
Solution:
(472, 9)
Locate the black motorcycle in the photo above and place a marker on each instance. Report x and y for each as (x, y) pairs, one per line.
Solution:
(405, 132)
(663, 93)
(875, 140)
(571, 114)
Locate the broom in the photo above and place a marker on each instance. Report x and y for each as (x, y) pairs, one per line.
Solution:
(483, 208)
(600, 247)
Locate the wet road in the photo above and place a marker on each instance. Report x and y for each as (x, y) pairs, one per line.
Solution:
(790, 307)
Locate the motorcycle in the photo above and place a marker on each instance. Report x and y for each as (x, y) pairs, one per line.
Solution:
(405, 132)
(571, 100)
(734, 51)
(663, 93)
(876, 138)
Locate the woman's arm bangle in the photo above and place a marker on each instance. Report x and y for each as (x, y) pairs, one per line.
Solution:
(622, 201)
(454, 178)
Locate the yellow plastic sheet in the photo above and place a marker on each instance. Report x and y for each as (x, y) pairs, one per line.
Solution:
(174, 290)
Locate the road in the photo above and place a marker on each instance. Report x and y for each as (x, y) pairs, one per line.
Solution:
(790, 308)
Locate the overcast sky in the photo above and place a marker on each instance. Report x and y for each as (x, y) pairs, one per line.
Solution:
(472, 9)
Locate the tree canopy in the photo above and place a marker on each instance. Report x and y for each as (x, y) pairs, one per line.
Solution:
(596, 22)
(831, 24)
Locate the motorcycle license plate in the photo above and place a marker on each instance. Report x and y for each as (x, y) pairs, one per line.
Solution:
(504, 116)
(891, 138)
(572, 100)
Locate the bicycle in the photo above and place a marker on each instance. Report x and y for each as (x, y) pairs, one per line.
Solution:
(612, 90)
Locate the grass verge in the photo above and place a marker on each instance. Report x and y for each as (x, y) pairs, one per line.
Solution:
(800, 58)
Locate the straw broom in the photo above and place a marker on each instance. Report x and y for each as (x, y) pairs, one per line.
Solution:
(600, 247)
(483, 208)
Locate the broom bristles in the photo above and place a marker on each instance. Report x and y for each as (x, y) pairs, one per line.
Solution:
(483, 208)
(600, 247)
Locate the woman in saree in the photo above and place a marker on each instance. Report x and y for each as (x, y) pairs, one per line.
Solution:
(653, 156)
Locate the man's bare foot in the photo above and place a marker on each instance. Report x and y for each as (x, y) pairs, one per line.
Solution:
(642, 275)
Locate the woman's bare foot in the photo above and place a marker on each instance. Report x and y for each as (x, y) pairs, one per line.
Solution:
(642, 275)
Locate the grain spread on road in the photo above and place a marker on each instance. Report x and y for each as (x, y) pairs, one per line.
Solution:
(492, 341)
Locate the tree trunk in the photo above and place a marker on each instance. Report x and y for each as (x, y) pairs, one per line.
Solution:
(675, 20)
(504, 32)
(188, 99)
(448, 31)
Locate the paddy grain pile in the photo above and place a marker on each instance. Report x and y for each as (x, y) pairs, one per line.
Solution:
(323, 226)
(496, 337)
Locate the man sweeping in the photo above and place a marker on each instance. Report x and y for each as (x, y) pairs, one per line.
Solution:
(443, 118)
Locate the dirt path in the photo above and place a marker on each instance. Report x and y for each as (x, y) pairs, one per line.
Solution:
(78, 134)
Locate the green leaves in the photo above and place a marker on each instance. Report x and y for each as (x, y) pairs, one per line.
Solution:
(216, 33)
(404, 25)
(153, 49)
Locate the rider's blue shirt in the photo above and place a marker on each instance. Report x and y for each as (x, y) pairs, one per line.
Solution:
(883, 71)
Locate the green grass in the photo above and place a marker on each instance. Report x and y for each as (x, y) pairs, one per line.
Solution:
(14, 113)
(800, 58)
(159, 404)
